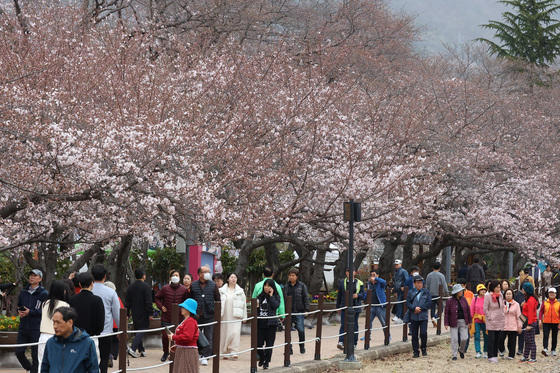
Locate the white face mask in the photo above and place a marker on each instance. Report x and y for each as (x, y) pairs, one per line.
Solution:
(207, 276)
(174, 280)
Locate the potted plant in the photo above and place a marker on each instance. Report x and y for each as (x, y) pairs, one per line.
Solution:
(8, 329)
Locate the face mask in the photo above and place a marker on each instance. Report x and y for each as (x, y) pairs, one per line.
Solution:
(174, 280)
(207, 276)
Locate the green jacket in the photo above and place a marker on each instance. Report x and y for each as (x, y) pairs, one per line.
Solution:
(258, 289)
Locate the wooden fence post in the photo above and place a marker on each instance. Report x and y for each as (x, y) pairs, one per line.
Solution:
(319, 330)
(405, 311)
(387, 330)
(254, 326)
(174, 321)
(288, 331)
(439, 310)
(216, 337)
(123, 338)
(367, 337)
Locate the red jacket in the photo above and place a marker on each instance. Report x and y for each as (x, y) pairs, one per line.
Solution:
(168, 295)
(530, 310)
(186, 333)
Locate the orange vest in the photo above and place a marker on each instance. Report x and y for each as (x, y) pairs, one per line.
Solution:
(551, 313)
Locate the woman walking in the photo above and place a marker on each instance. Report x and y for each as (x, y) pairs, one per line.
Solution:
(233, 308)
(495, 319)
(479, 320)
(458, 318)
(269, 301)
(529, 310)
(512, 326)
(59, 295)
(185, 338)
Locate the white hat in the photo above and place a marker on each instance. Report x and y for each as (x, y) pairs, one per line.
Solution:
(457, 288)
(398, 261)
(552, 290)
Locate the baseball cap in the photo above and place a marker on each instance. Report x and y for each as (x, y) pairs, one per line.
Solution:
(37, 272)
(552, 290)
(398, 261)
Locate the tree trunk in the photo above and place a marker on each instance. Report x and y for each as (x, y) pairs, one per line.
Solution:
(388, 258)
(316, 280)
(118, 265)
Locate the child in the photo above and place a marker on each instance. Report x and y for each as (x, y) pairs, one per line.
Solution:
(529, 310)
(477, 313)
(549, 317)
(269, 301)
(513, 325)
(186, 337)
(458, 317)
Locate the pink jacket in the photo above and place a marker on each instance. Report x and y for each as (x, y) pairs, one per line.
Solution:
(512, 311)
(494, 311)
(477, 306)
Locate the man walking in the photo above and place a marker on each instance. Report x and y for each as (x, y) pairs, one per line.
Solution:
(138, 300)
(399, 281)
(475, 275)
(205, 292)
(71, 350)
(357, 295)
(377, 286)
(300, 303)
(111, 307)
(418, 302)
(88, 307)
(29, 310)
(433, 282)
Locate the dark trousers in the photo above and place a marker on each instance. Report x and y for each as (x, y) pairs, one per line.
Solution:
(209, 333)
(342, 338)
(422, 328)
(512, 341)
(547, 328)
(164, 338)
(137, 342)
(265, 335)
(433, 309)
(28, 336)
(520, 342)
(493, 343)
(299, 323)
(399, 308)
(115, 345)
(104, 351)
(530, 345)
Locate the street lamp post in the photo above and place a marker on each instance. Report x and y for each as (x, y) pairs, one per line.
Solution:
(352, 213)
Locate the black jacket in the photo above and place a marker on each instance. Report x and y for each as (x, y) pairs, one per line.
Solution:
(90, 310)
(138, 300)
(32, 301)
(300, 296)
(475, 274)
(205, 298)
(267, 307)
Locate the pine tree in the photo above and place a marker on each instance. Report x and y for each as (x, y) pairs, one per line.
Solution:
(529, 34)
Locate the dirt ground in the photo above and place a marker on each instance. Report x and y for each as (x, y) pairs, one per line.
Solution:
(439, 360)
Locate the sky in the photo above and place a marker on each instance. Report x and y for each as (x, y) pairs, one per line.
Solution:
(452, 22)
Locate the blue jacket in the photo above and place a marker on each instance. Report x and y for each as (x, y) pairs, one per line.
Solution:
(378, 288)
(401, 275)
(76, 354)
(418, 298)
(32, 301)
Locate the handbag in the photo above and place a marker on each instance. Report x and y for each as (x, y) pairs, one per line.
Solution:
(202, 340)
(523, 319)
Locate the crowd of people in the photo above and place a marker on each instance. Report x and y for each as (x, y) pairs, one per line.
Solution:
(87, 305)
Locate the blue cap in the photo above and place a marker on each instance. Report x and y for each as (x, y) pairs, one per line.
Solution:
(190, 305)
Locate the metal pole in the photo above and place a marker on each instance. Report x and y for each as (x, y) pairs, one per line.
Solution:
(350, 311)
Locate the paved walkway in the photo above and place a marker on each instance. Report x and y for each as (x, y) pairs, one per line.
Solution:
(328, 350)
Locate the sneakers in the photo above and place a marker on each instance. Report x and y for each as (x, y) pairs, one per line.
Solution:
(493, 360)
(532, 360)
(545, 352)
(524, 360)
(519, 352)
(454, 358)
(132, 353)
(509, 358)
(553, 353)
(142, 354)
(340, 346)
(501, 354)
(164, 357)
(485, 355)
(478, 355)
(396, 320)
(204, 361)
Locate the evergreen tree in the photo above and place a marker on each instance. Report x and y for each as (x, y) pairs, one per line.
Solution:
(529, 33)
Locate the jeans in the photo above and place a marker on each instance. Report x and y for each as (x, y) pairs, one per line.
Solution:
(415, 328)
(480, 328)
(547, 328)
(300, 327)
(379, 312)
(209, 333)
(28, 336)
(342, 322)
(399, 308)
(433, 309)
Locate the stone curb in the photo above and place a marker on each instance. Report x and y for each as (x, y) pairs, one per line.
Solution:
(374, 353)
